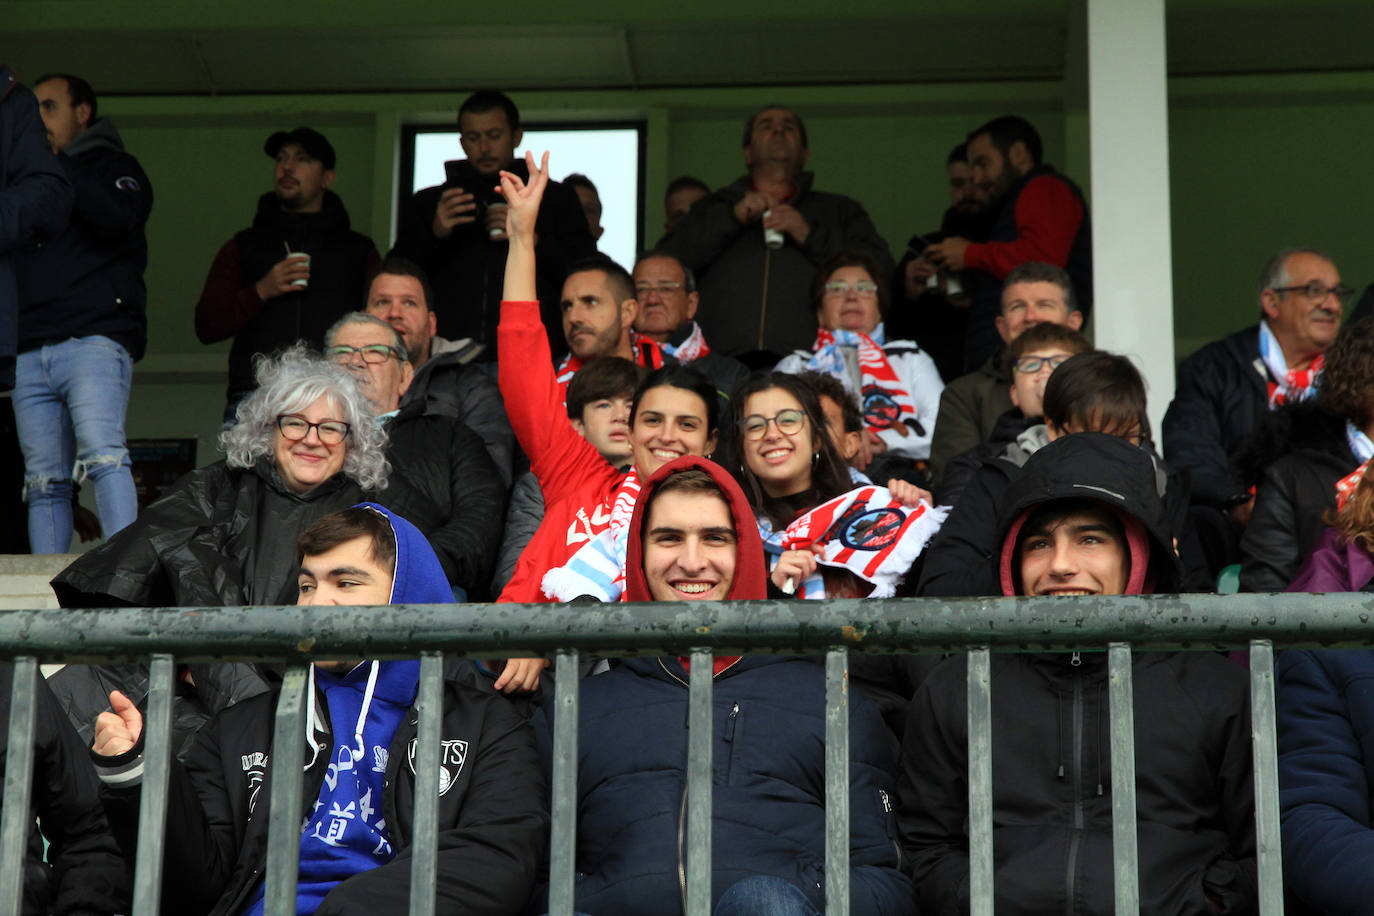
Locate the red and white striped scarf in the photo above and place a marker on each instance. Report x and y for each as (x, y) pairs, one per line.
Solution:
(647, 352)
(597, 568)
(867, 532)
(691, 349)
(886, 402)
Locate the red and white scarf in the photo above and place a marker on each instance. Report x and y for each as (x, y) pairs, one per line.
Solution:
(691, 349)
(648, 353)
(886, 402)
(867, 532)
(1284, 384)
(598, 566)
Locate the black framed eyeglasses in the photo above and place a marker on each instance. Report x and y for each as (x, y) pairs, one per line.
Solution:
(1317, 291)
(372, 354)
(789, 423)
(1029, 365)
(294, 429)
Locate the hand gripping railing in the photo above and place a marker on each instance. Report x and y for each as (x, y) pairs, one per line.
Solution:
(837, 627)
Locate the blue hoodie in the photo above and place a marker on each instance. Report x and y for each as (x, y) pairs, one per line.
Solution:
(346, 832)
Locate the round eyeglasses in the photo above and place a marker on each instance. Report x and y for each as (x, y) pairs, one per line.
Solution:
(789, 423)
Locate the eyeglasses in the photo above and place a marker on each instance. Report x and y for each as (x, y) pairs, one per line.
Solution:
(372, 354)
(1029, 365)
(666, 288)
(294, 429)
(789, 423)
(1317, 292)
(841, 288)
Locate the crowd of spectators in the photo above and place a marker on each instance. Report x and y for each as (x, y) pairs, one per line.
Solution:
(763, 405)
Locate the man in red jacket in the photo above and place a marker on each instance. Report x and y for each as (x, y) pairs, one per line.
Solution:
(1036, 215)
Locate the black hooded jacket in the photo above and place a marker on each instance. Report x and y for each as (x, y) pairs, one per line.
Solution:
(340, 262)
(1051, 759)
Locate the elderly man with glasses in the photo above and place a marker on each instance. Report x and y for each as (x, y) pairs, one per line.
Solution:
(668, 299)
(1226, 389)
(464, 501)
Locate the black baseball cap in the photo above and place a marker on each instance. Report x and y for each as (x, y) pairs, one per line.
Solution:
(312, 141)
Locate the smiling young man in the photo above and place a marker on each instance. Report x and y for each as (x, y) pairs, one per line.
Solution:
(693, 538)
(1086, 518)
(359, 772)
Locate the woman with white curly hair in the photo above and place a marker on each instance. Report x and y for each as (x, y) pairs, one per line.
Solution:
(304, 444)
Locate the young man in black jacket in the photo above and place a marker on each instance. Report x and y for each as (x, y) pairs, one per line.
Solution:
(360, 776)
(82, 323)
(1085, 518)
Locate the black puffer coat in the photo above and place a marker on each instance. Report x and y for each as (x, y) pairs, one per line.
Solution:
(222, 537)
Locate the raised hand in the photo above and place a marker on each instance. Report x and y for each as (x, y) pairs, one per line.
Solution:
(118, 731)
(523, 199)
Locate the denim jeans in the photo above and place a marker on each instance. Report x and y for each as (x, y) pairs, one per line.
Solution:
(69, 404)
(764, 895)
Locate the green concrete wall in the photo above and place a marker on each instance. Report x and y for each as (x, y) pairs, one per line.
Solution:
(1256, 163)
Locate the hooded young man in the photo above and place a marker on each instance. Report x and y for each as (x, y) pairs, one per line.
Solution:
(1085, 518)
(360, 740)
(693, 537)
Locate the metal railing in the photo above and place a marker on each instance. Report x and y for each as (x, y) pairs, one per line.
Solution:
(297, 635)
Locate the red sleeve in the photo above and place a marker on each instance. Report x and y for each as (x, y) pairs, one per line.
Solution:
(1048, 214)
(225, 305)
(559, 457)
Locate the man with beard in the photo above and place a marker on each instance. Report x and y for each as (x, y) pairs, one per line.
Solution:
(929, 307)
(1035, 214)
(293, 272)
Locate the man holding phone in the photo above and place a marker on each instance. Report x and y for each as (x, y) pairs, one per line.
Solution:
(457, 231)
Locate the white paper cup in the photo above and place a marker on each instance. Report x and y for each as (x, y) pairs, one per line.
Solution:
(498, 232)
(300, 256)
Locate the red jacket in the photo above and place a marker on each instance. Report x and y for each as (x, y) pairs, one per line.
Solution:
(578, 483)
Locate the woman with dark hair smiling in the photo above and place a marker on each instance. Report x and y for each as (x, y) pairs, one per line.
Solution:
(788, 467)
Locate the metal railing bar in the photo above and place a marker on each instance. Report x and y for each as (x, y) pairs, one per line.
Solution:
(424, 838)
(980, 781)
(157, 767)
(699, 737)
(563, 830)
(16, 819)
(837, 782)
(1121, 706)
(1148, 623)
(284, 818)
(1263, 725)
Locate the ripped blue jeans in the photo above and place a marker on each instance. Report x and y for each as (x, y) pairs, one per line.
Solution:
(69, 404)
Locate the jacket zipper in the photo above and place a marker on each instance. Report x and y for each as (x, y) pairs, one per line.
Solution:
(681, 858)
(1070, 904)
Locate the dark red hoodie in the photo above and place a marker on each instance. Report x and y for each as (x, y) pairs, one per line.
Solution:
(751, 575)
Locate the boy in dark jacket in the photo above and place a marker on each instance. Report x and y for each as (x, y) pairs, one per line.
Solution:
(1085, 518)
(359, 779)
(693, 537)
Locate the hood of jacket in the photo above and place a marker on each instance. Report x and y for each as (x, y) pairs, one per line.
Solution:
(100, 135)
(419, 577)
(331, 218)
(751, 580)
(1123, 477)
